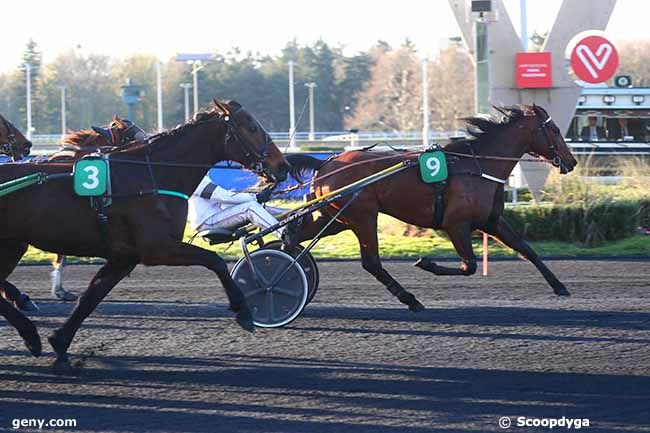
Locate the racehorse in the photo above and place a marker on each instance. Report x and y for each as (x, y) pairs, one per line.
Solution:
(472, 199)
(72, 147)
(97, 139)
(78, 144)
(146, 219)
(14, 144)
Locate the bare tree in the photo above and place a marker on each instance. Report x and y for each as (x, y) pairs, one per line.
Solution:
(634, 57)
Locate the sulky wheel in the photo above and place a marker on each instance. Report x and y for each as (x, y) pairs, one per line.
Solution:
(308, 264)
(272, 305)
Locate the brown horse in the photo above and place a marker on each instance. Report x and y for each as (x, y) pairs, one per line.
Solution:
(119, 133)
(76, 145)
(14, 144)
(472, 199)
(146, 219)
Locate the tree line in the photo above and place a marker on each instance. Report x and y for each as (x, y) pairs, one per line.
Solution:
(379, 89)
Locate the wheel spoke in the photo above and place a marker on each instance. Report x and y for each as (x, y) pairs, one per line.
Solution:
(254, 292)
(284, 291)
(270, 305)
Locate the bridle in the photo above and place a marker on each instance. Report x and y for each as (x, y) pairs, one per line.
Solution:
(251, 153)
(9, 148)
(127, 135)
(557, 159)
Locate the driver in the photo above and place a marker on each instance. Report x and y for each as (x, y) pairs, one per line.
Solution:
(212, 206)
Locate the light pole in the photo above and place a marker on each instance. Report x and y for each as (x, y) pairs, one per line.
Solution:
(196, 60)
(186, 90)
(196, 67)
(292, 109)
(28, 85)
(311, 86)
(63, 125)
(159, 97)
(425, 103)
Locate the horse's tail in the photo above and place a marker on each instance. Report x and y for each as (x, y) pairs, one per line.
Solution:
(302, 165)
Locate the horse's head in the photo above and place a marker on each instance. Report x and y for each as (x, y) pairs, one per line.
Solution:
(120, 133)
(547, 141)
(248, 143)
(12, 142)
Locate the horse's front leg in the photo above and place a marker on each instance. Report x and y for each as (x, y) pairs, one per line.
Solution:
(104, 280)
(369, 245)
(501, 230)
(461, 237)
(182, 254)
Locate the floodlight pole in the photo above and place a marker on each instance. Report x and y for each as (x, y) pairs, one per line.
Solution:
(312, 128)
(186, 89)
(292, 109)
(196, 67)
(28, 85)
(425, 103)
(482, 66)
(63, 125)
(524, 24)
(159, 97)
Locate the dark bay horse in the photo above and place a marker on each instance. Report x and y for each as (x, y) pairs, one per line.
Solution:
(473, 198)
(145, 223)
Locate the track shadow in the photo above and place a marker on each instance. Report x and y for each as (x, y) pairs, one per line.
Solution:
(491, 316)
(323, 396)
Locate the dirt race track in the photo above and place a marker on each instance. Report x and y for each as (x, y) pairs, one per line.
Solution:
(163, 354)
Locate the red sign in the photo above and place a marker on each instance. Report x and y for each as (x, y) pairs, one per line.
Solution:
(594, 59)
(533, 70)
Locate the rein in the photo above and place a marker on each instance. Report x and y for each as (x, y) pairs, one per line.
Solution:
(411, 154)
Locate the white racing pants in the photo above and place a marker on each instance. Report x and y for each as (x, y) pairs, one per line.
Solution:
(241, 214)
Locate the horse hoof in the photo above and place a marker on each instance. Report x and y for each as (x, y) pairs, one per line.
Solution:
(34, 345)
(33, 342)
(29, 306)
(62, 365)
(422, 263)
(245, 320)
(416, 307)
(63, 295)
(561, 291)
(59, 343)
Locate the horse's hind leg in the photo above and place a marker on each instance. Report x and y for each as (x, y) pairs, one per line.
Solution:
(501, 230)
(369, 245)
(461, 237)
(108, 276)
(23, 325)
(10, 254)
(58, 291)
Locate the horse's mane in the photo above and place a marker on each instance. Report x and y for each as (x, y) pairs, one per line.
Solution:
(199, 117)
(481, 129)
(79, 138)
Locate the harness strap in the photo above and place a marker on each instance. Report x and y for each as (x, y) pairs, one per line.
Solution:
(493, 179)
(172, 193)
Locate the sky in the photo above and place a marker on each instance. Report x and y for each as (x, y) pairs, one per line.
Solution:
(121, 27)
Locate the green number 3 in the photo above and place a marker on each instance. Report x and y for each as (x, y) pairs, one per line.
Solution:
(92, 176)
